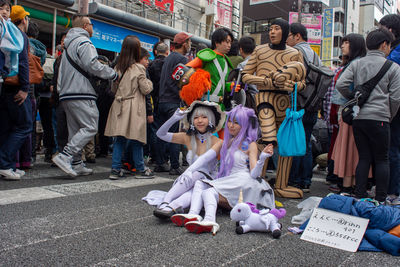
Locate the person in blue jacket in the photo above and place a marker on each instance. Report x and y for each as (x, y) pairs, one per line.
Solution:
(15, 106)
(392, 22)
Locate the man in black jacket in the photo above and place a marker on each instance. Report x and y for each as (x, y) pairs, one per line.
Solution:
(169, 100)
(155, 68)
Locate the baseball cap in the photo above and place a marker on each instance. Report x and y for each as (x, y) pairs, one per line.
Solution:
(181, 37)
(18, 13)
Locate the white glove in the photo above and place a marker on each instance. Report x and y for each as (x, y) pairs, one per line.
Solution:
(163, 133)
(201, 161)
(256, 171)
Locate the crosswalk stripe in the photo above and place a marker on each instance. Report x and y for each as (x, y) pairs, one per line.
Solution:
(61, 190)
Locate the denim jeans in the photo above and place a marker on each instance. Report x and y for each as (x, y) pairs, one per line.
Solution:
(372, 141)
(16, 125)
(165, 111)
(394, 156)
(301, 171)
(136, 148)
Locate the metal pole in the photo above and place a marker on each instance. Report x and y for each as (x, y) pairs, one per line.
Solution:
(299, 3)
(54, 32)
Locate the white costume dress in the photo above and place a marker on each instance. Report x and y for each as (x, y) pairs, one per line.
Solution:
(256, 191)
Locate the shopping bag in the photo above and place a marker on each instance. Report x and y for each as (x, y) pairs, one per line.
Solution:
(291, 135)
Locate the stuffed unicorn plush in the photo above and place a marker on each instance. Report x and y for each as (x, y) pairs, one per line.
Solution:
(251, 219)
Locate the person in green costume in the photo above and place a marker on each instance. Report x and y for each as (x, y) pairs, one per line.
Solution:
(217, 64)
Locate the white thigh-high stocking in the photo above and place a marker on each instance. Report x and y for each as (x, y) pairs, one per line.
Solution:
(183, 184)
(210, 198)
(183, 201)
(197, 200)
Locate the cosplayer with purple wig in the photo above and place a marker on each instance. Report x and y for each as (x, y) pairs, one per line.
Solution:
(239, 171)
(247, 119)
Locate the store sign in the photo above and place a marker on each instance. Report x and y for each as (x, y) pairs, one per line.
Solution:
(110, 37)
(256, 2)
(335, 229)
(312, 22)
(166, 5)
(224, 13)
(327, 37)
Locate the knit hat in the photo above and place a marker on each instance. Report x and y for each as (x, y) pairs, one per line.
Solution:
(285, 33)
(18, 13)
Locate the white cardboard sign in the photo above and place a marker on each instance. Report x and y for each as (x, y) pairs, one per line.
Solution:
(335, 229)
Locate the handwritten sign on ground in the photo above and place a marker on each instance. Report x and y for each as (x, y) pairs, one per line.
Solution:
(334, 229)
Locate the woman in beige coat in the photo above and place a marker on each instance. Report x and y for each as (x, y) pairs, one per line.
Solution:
(127, 117)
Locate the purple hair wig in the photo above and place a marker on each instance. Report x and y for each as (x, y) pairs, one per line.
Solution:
(247, 119)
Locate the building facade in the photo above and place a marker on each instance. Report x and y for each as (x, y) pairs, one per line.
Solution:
(371, 12)
(150, 20)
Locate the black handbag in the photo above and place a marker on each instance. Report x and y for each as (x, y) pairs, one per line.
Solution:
(361, 95)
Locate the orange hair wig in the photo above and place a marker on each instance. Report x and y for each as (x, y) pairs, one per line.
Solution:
(199, 84)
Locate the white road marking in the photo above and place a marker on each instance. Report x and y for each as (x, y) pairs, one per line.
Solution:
(61, 190)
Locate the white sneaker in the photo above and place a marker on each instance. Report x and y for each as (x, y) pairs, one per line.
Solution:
(10, 175)
(392, 200)
(20, 172)
(64, 163)
(81, 169)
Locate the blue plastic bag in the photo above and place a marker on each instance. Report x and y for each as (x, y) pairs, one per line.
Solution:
(12, 43)
(291, 135)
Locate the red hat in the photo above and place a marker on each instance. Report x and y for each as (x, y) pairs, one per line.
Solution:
(181, 37)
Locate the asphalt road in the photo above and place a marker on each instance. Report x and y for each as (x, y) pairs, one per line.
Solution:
(47, 220)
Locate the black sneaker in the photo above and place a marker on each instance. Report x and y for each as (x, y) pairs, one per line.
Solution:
(116, 174)
(177, 171)
(161, 168)
(91, 160)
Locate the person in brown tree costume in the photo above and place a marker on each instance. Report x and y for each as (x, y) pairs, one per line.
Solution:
(264, 70)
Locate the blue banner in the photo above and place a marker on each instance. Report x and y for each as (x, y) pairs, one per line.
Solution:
(110, 37)
(328, 23)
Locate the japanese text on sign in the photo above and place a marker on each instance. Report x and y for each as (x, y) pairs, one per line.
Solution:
(334, 229)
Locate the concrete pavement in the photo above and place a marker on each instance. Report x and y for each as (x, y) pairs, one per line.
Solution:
(92, 221)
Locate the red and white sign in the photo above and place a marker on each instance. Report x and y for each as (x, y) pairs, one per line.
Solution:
(166, 5)
(312, 22)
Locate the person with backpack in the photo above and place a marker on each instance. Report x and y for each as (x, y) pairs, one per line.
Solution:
(392, 22)
(302, 167)
(371, 124)
(77, 95)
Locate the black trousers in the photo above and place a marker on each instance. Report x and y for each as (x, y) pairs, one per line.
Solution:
(46, 114)
(372, 141)
(62, 128)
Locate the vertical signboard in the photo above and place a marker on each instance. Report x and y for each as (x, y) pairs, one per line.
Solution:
(327, 37)
(312, 22)
(224, 13)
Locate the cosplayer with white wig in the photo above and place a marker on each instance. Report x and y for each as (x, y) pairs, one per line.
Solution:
(239, 171)
(202, 119)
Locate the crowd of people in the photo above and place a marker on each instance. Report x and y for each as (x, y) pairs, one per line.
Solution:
(222, 110)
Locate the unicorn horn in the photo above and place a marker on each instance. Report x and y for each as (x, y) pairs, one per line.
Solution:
(240, 200)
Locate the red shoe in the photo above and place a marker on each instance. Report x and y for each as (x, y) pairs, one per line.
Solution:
(202, 227)
(182, 219)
